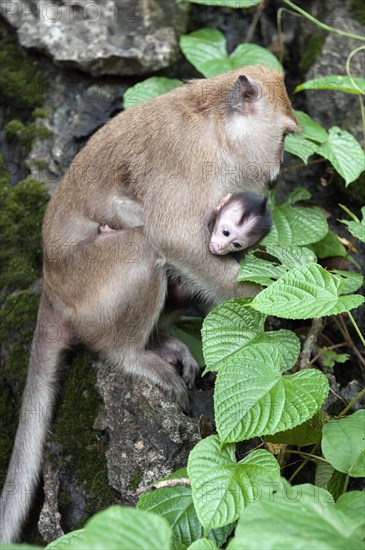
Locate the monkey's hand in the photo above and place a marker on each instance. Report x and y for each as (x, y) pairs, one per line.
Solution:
(173, 351)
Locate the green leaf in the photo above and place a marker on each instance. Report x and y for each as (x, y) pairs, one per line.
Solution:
(223, 487)
(330, 357)
(295, 520)
(344, 152)
(308, 433)
(67, 541)
(149, 88)
(310, 128)
(251, 54)
(206, 49)
(354, 85)
(125, 528)
(337, 484)
(356, 229)
(329, 246)
(20, 547)
(203, 544)
(230, 328)
(343, 444)
(188, 330)
(353, 505)
(291, 256)
(252, 397)
(296, 226)
(299, 145)
(305, 293)
(176, 506)
(259, 271)
(352, 281)
(227, 3)
(298, 194)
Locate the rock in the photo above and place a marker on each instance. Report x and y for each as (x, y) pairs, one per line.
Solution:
(74, 112)
(149, 436)
(114, 37)
(331, 107)
(49, 520)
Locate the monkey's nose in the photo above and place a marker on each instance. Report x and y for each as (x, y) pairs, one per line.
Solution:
(213, 247)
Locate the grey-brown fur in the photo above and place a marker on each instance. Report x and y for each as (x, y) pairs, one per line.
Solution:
(177, 154)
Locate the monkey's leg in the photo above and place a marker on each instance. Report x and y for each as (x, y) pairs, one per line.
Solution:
(126, 293)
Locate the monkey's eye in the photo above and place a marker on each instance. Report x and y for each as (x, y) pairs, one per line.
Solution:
(226, 232)
(237, 244)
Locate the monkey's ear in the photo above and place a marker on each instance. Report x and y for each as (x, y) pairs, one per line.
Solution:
(244, 91)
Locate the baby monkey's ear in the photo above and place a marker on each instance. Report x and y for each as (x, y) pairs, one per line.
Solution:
(244, 91)
(263, 205)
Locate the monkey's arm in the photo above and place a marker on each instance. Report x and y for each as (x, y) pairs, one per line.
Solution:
(122, 212)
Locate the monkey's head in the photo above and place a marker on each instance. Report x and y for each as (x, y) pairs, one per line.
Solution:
(255, 116)
(239, 222)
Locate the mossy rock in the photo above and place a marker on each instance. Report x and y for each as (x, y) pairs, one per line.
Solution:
(81, 449)
(22, 83)
(312, 51)
(21, 216)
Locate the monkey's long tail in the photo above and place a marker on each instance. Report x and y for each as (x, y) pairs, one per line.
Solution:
(36, 412)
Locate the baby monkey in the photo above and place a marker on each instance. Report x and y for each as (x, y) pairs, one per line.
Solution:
(240, 221)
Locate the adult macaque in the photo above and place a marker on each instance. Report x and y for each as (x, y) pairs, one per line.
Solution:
(239, 222)
(177, 155)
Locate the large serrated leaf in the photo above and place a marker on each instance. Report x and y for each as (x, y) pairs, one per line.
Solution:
(206, 50)
(222, 488)
(308, 433)
(343, 444)
(232, 327)
(353, 505)
(352, 281)
(357, 229)
(305, 293)
(253, 398)
(296, 522)
(292, 256)
(344, 152)
(352, 85)
(66, 542)
(227, 328)
(203, 544)
(310, 128)
(259, 270)
(175, 504)
(296, 226)
(149, 88)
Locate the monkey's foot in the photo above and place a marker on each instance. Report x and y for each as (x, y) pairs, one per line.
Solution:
(173, 351)
(106, 229)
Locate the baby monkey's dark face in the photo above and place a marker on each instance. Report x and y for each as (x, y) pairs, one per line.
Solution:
(242, 221)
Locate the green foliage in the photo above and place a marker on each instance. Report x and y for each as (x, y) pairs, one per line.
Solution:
(149, 88)
(223, 487)
(306, 292)
(21, 218)
(227, 3)
(206, 49)
(352, 85)
(297, 519)
(26, 133)
(355, 226)
(22, 83)
(343, 444)
(330, 357)
(338, 146)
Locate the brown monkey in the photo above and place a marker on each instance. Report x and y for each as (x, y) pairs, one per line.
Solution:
(239, 222)
(177, 155)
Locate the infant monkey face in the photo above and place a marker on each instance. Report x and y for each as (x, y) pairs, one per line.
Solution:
(242, 221)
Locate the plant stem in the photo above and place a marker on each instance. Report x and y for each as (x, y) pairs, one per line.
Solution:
(311, 457)
(356, 327)
(302, 464)
(352, 402)
(322, 25)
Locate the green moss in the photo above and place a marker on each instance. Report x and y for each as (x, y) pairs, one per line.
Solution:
(18, 315)
(4, 176)
(82, 450)
(22, 83)
(312, 51)
(357, 11)
(40, 164)
(25, 133)
(21, 218)
(40, 113)
(136, 480)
